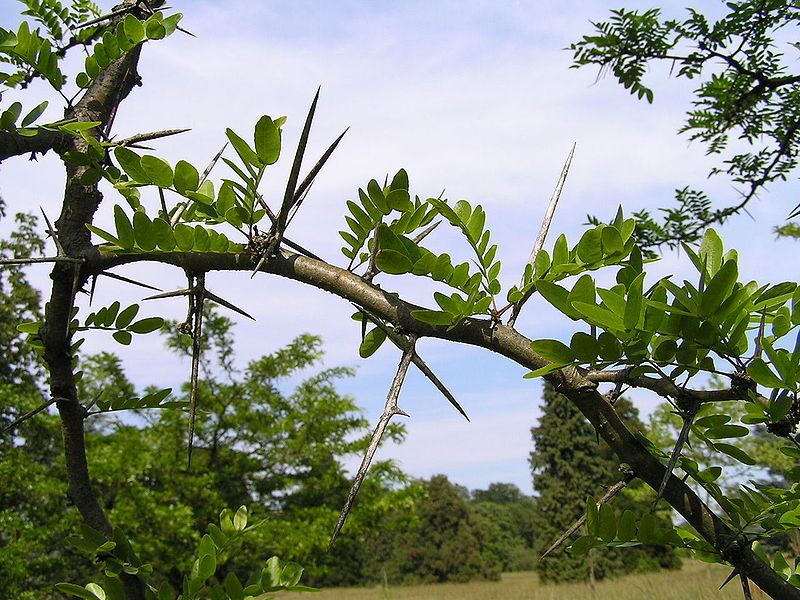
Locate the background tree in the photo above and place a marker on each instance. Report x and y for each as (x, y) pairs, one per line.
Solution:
(567, 461)
(748, 94)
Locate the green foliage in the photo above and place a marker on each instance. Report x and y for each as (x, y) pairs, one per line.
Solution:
(446, 544)
(746, 93)
(568, 461)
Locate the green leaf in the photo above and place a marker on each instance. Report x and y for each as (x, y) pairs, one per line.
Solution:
(126, 316)
(372, 341)
(399, 200)
(245, 152)
(557, 296)
(143, 231)
(157, 171)
(77, 591)
(584, 347)
(104, 235)
(719, 288)
(599, 315)
(607, 525)
(553, 350)
(393, 262)
(164, 236)
(123, 337)
(134, 29)
(34, 114)
(589, 247)
(147, 325)
(432, 317)
(734, 452)
(762, 374)
(201, 239)
(131, 164)
(124, 229)
(582, 545)
(726, 431)
(267, 141)
(711, 252)
(611, 240)
(184, 237)
(634, 303)
(186, 177)
(400, 180)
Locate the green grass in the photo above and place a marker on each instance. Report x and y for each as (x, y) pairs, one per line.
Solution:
(697, 581)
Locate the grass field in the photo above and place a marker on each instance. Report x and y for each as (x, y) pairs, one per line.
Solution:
(697, 581)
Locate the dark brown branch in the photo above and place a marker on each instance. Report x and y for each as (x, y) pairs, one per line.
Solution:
(14, 144)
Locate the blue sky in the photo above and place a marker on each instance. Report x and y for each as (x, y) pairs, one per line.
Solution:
(476, 98)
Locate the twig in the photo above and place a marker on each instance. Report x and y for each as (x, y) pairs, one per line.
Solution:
(390, 410)
(612, 491)
(548, 219)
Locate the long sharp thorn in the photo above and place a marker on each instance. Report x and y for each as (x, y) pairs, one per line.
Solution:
(294, 174)
(389, 411)
(129, 280)
(196, 349)
(173, 294)
(52, 233)
(259, 264)
(425, 232)
(212, 164)
(729, 578)
(610, 493)
(226, 304)
(745, 587)
(28, 415)
(401, 343)
(309, 179)
(545, 227)
(676, 452)
(91, 289)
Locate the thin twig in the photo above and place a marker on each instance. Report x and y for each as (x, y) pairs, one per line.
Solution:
(612, 491)
(390, 410)
(545, 227)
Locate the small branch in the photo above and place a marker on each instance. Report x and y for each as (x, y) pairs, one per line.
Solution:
(610, 493)
(389, 411)
(545, 227)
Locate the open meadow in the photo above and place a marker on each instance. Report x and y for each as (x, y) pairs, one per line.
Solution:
(696, 581)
